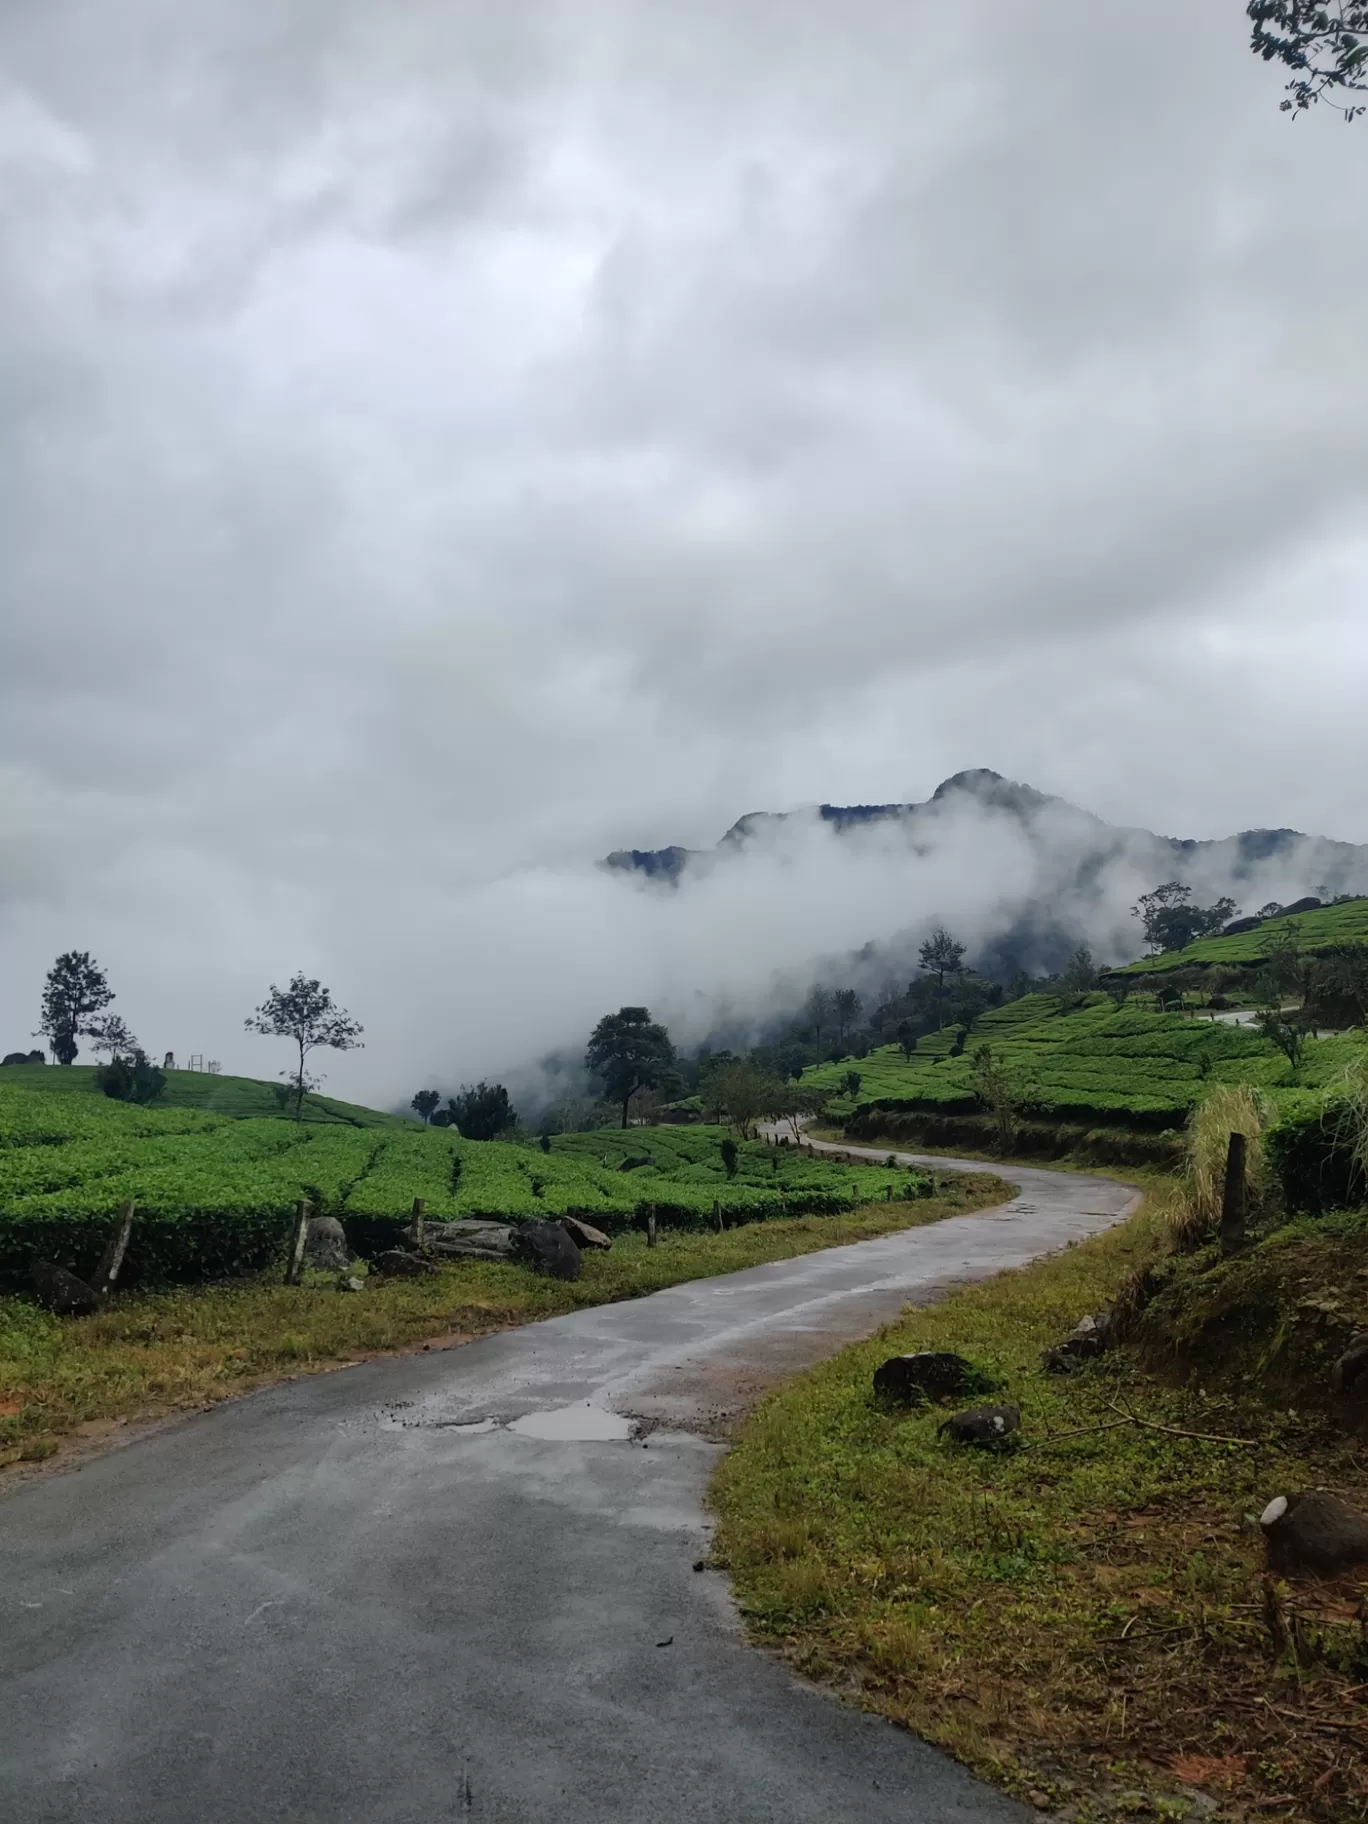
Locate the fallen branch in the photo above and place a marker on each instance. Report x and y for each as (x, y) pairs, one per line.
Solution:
(1174, 1431)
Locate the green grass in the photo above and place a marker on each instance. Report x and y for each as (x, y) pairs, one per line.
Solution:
(1319, 930)
(150, 1353)
(1083, 1620)
(218, 1095)
(1099, 1063)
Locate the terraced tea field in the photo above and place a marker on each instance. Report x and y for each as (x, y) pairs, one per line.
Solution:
(1318, 930)
(1098, 1064)
(219, 1192)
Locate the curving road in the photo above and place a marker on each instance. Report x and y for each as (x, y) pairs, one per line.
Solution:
(460, 1585)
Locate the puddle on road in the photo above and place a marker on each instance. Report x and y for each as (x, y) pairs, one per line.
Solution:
(583, 1424)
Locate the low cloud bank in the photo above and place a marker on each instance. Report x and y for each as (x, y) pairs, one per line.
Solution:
(457, 981)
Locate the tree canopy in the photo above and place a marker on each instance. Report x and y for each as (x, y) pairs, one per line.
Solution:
(73, 994)
(628, 1051)
(305, 1013)
(1324, 45)
(482, 1111)
(1170, 921)
(425, 1104)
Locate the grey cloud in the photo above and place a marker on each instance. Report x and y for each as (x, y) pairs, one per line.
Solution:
(442, 443)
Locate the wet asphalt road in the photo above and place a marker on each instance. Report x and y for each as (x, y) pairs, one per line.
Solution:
(440, 1588)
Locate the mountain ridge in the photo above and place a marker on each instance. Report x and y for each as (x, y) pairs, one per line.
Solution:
(1346, 864)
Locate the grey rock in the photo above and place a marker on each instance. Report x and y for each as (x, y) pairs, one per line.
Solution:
(1314, 1533)
(983, 1425)
(394, 1263)
(1351, 1365)
(347, 1282)
(482, 1240)
(62, 1292)
(584, 1234)
(546, 1248)
(931, 1374)
(1092, 1336)
(325, 1245)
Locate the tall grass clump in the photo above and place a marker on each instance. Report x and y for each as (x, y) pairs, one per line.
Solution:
(1226, 1109)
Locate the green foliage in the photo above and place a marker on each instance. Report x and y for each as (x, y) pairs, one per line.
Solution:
(425, 1104)
(1315, 1150)
(1324, 45)
(1170, 921)
(628, 1051)
(730, 1156)
(74, 993)
(1098, 1063)
(1320, 930)
(306, 1014)
(137, 1081)
(482, 1111)
(217, 1194)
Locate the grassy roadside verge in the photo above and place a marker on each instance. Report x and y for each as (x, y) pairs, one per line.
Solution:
(1085, 1621)
(150, 1353)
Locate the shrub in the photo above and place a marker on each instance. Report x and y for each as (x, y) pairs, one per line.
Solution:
(1316, 1152)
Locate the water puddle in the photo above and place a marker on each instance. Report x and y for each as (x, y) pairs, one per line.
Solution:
(583, 1424)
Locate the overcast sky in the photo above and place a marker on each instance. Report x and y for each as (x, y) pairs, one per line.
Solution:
(442, 442)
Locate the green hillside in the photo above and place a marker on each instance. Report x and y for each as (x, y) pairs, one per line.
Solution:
(215, 1191)
(1319, 930)
(1096, 1064)
(219, 1095)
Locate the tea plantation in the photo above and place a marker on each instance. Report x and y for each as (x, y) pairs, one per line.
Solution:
(215, 1193)
(1322, 929)
(1096, 1064)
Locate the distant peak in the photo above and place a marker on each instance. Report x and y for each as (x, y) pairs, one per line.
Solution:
(990, 788)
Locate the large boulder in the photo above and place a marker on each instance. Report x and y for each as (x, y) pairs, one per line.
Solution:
(473, 1240)
(395, 1263)
(62, 1292)
(931, 1374)
(584, 1234)
(546, 1248)
(983, 1425)
(325, 1245)
(1314, 1534)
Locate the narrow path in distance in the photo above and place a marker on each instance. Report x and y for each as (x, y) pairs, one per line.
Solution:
(462, 1586)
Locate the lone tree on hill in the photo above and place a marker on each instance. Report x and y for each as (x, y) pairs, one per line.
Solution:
(906, 1036)
(1323, 42)
(482, 1111)
(305, 1013)
(111, 1033)
(1171, 922)
(424, 1105)
(627, 1052)
(939, 956)
(74, 992)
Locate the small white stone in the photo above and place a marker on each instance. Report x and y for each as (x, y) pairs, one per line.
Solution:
(1275, 1510)
(997, 1421)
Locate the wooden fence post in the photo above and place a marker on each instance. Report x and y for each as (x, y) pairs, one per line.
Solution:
(650, 1225)
(300, 1237)
(112, 1259)
(419, 1230)
(1233, 1198)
